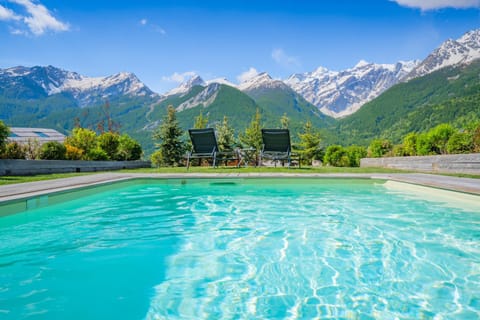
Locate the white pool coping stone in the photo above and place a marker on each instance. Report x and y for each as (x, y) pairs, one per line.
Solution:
(33, 189)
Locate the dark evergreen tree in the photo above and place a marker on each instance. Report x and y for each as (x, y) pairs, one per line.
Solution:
(171, 148)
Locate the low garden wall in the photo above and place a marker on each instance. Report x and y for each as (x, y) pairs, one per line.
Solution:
(31, 167)
(452, 163)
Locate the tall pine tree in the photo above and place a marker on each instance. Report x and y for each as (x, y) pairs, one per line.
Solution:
(171, 148)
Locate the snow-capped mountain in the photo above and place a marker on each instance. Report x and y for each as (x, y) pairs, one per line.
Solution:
(46, 81)
(184, 87)
(340, 93)
(261, 80)
(205, 97)
(450, 53)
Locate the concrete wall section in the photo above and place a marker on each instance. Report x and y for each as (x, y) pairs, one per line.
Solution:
(452, 163)
(31, 167)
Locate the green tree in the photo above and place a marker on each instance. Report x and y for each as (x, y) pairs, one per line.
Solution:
(399, 151)
(83, 139)
(439, 137)
(53, 150)
(200, 121)
(170, 146)
(379, 147)
(14, 150)
(460, 142)
(355, 153)
(336, 156)
(97, 154)
(410, 144)
(310, 139)
(252, 138)
(4, 132)
(109, 142)
(285, 121)
(476, 138)
(424, 145)
(225, 136)
(128, 149)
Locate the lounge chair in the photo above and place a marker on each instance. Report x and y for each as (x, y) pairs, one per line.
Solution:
(204, 146)
(277, 147)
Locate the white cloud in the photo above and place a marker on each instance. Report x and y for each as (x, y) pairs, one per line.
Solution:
(7, 14)
(179, 77)
(36, 17)
(280, 57)
(153, 27)
(244, 76)
(426, 5)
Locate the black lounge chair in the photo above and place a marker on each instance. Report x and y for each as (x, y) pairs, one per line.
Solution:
(204, 146)
(277, 147)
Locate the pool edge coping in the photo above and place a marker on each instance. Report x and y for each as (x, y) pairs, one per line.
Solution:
(27, 190)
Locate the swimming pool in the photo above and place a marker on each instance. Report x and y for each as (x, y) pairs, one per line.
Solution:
(243, 248)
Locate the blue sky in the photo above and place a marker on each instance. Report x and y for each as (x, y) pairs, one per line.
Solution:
(163, 42)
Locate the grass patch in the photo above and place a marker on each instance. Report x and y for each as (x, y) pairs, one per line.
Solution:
(22, 179)
(4, 180)
(293, 170)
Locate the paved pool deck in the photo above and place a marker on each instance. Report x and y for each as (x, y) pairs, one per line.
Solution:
(32, 189)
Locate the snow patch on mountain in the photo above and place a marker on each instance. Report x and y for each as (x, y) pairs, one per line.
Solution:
(206, 97)
(450, 53)
(341, 93)
(261, 80)
(86, 90)
(186, 86)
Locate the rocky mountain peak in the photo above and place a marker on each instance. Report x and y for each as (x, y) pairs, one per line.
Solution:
(450, 53)
(186, 86)
(261, 80)
(340, 93)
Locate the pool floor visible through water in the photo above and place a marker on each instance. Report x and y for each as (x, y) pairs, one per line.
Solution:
(244, 249)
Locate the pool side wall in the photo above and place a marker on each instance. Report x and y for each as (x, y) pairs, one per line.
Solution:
(31, 167)
(452, 163)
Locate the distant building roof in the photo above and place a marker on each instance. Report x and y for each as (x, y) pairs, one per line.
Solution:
(23, 135)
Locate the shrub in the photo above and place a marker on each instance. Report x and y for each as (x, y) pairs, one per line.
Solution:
(410, 144)
(109, 143)
(336, 156)
(460, 142)
(399, 151)
(379, 147)
(97, 154)
(14, 150)
(424, 145)
(439, 136)
(355, 153)
(157, 158)
(84, 139)
(32, 149)
(4, 131)
(128, 149)
(53, 150)
(73, 153)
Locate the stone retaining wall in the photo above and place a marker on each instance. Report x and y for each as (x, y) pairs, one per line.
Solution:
(452, 163)
(32, 167)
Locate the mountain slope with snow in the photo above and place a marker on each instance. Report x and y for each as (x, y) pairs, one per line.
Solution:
(450, 53)
(48, 81)
(341, 93)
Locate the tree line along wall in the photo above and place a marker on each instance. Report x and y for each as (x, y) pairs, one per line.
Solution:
(453, 163)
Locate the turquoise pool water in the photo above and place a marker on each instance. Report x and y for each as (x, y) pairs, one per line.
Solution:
(244, 249)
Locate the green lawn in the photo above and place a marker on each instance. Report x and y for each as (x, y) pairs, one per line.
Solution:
(21, 179)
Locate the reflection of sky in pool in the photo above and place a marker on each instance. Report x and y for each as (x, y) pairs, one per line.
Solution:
(253, 249)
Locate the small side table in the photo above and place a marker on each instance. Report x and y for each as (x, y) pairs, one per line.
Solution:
(247, 155)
